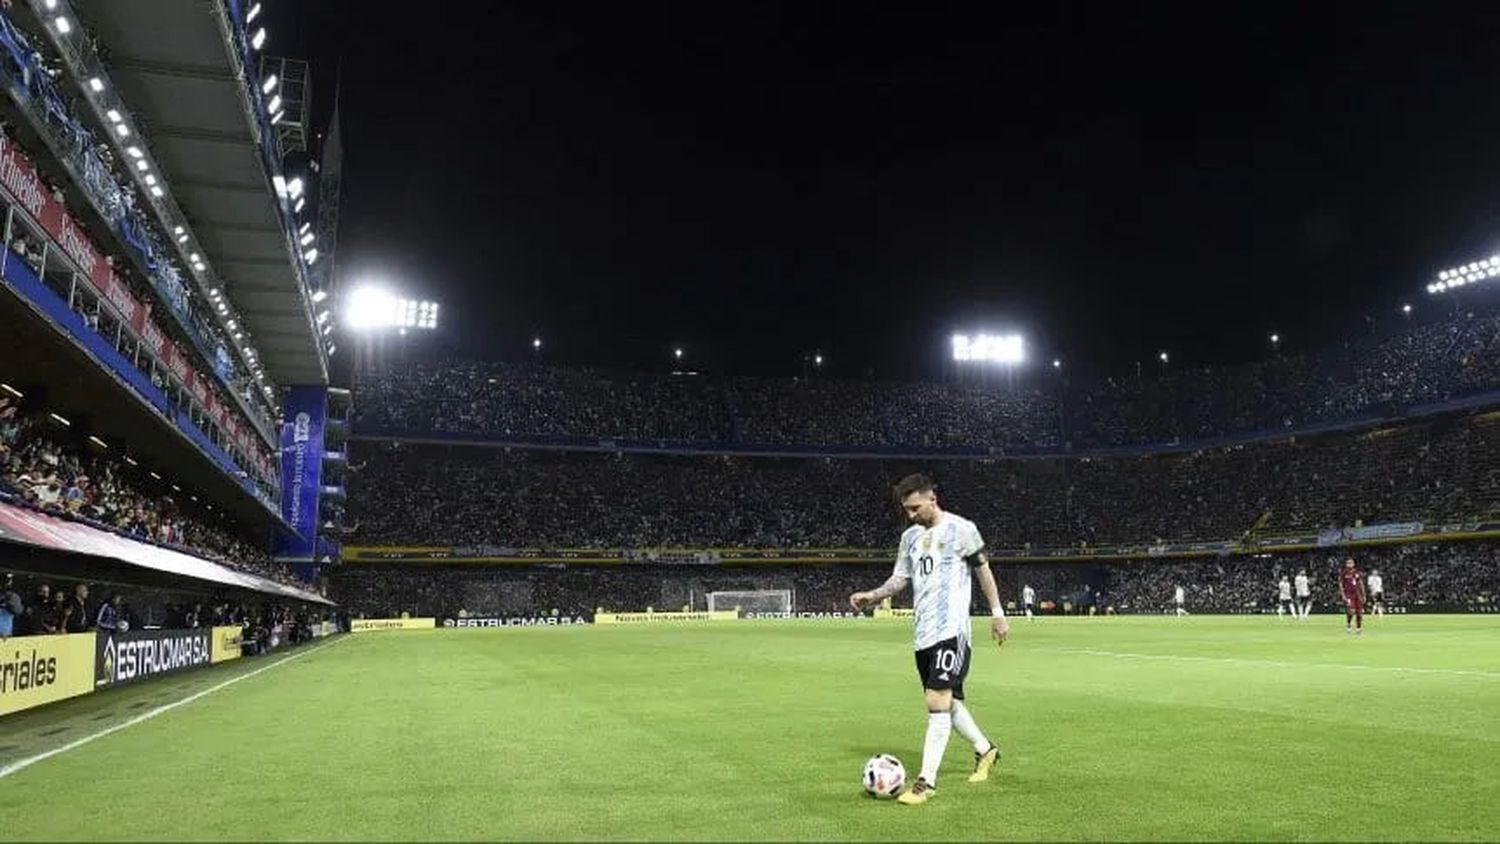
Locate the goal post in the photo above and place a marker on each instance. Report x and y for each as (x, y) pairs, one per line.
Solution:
(752, 601)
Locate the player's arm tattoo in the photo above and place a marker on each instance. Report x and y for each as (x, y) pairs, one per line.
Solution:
(893, 584)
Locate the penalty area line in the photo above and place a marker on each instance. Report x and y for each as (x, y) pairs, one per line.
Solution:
(22, 764)
(1279, 664)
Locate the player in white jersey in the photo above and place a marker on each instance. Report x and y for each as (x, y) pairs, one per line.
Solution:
(1284, 598)
(1178, 597)
(1377, 592)
(938, 556)
(1028, 601)
(1304, 595)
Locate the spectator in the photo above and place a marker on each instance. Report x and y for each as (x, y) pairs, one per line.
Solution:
(31, 617)
(109, 615)
(10, 606)
(78, 610)
(54, 618)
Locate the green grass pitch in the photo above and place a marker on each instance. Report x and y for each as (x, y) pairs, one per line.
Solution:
(1119, 728)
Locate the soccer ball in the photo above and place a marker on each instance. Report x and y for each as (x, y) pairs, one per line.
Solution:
(884, 776)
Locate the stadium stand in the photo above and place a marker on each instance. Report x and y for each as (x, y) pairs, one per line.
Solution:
(1444, 469)
(138, 424)
(1389, 435)
(1370, 378)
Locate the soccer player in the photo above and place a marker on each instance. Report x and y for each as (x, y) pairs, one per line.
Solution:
(1178, 596)
(1352, 584)
(1304, 595)
(1028, 600)
(1284, 598)
(936, 556)
(1377, 593)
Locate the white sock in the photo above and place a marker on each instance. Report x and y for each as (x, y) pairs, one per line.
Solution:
(939, 725)
(964, 723)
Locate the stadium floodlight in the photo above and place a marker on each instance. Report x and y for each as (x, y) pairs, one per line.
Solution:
(294, 188)
(274, 105)
(307, 239)
(301, 202)
(817, 360)
(135, 152)
(143, 165)
(319, 295)
(1057, 363)
(371, 308)
(96, 441)
(310, 256)
(276, 117)
(122, 130)
(157, 192)
(150, 179)
(1466, 274)
(1406, 309)
(989, 348)
(12, 390)
(279, 183)
(258, 40)
(251, 15)
(61, 421)
(1275, 338)
(1161, 356)
(230, 325)
(269, 85)
(536, 343)
(182, 238)
(96, 84)
(64, 26)
(114, 116)
(677, 353)
(304, 227)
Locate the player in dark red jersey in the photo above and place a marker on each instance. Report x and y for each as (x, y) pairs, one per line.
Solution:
(1352, 584)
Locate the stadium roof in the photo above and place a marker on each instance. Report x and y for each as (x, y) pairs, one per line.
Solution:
(176, 67)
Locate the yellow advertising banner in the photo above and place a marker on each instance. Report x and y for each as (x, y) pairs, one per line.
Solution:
(663, 617)
(226, 643)
(41, 669)
(363, 625)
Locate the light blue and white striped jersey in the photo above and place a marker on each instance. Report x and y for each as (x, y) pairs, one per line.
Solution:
(941, 582)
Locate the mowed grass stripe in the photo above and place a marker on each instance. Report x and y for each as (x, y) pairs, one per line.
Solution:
(758, 730)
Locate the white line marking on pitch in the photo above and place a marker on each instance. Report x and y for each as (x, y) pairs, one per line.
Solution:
(13, 767)
(1278, 664)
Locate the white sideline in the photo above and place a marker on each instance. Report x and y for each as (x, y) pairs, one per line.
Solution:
(1278, 664)
(22, 764)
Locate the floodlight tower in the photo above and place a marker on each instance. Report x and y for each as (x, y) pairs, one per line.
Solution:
(989, 353)
(375, 314)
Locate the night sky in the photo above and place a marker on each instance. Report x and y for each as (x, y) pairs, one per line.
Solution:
(754, 182)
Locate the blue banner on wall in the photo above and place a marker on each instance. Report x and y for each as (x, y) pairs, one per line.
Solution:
(305, 412)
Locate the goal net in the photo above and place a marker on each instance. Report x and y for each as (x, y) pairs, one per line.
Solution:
(752, 602)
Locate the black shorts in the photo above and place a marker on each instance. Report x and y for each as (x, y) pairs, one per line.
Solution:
(1285, 601)
(1378, 598)
(944, 666)
(1030, 606)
